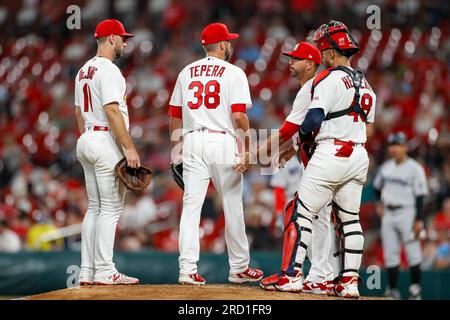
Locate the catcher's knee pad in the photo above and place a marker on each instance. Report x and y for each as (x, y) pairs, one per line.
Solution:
(351, 239)
(297, 229)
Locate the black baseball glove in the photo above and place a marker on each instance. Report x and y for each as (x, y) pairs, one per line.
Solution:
(177, 173)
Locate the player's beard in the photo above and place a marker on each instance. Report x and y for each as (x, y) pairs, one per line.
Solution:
(118, 52)
(228, 53)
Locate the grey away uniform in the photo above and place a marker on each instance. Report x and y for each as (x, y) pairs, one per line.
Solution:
(400, 184)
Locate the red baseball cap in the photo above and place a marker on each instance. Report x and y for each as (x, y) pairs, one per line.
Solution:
(216, 32)
(305, 50)
(111, 26)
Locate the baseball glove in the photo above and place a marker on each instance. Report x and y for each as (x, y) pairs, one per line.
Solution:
(136, 179)
(177, 173)
(307, 146)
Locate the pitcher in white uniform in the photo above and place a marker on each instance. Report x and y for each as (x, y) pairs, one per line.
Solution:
(208, 103)
(102, 117)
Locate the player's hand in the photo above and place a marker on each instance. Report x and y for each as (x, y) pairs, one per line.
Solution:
(243, 162)
(379, 209)
(132, 157)
(418, 228)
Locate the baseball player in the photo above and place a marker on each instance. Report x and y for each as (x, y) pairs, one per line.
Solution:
(208, 103)
(401, 185)
(305, 59)
(102, 117)
(341, 111)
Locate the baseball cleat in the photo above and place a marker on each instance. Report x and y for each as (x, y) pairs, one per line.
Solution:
(268, 283)
(347, 287)
(415, 292)
(85, 281)
(116, 279)
(314, 287)
(330, 284)
(290, 284)
(191, 279)
(249, 275)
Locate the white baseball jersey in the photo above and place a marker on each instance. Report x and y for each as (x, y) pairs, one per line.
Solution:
(208, 91)
(301, 103)
(334, 92)
(401, 183)
(100, 82)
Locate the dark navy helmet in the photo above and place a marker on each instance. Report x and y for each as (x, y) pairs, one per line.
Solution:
(398, 138)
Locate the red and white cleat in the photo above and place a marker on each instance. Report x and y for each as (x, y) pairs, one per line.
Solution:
(116, 279)
(249, 275)
(85, 281)
(290, 284)
(191, 279)
(269, 283)
(330, 284)
(314, 287)
(347, 287)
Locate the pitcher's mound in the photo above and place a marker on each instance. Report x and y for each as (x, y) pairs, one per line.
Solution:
(175, 292)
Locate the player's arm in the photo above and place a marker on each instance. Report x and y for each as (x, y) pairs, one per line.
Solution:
(80, 120)
(242, 126)
(117, 124)
(175, 126)
(369, 130)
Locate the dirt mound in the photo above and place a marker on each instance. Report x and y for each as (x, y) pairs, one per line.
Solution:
(174, 292)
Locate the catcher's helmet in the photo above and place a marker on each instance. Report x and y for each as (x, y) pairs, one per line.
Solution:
(335, 35)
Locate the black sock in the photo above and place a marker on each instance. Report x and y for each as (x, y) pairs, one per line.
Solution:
(415, 274)
(392, 277)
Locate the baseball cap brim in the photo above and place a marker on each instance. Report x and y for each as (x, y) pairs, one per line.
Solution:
(290, 54)
(232, 36)
(127, 35)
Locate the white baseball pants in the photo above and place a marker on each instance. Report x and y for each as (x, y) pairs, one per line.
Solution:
(211, 156)
(342, 179)
(98, 154)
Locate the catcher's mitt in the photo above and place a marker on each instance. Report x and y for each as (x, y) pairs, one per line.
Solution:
(136, 179)
(177, 173)
(306, 147)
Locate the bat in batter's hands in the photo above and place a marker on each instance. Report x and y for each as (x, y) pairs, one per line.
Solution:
(132, 157)
(243, 162)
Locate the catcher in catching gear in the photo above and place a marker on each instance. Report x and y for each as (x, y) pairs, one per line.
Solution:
(136, 179)
(303, 65)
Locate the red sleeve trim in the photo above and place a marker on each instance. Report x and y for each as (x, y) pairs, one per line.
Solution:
(238, 107)
(175, 112)
(287, 130)
(280, 199)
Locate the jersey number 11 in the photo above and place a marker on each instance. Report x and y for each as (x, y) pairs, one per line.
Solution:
(87, 98)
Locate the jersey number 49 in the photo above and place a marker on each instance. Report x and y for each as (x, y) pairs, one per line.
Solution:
(207, 95)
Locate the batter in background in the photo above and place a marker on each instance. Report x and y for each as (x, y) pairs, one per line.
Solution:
(401, 186)
(208, 105)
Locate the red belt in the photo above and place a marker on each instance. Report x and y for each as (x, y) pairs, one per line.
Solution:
(216, 131)
(100, 128)
(209, 131)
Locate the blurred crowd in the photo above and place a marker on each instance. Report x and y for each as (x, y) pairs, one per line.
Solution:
(42, 194)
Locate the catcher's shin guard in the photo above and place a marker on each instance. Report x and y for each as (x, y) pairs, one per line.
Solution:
(349, 231)
(293, 234)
